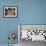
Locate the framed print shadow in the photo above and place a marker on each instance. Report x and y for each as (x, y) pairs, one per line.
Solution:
(10, 11)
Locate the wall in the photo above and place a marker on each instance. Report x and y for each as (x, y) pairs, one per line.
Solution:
(7, 25)
(29, 12)
(32, 11)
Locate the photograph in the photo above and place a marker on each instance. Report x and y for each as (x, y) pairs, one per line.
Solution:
(10, 11)
(32, 32)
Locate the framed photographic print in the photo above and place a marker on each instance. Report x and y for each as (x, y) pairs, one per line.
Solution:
(10, 11)
(33, 32)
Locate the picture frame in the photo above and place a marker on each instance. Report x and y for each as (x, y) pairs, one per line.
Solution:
(10, 11)
(37, 29)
